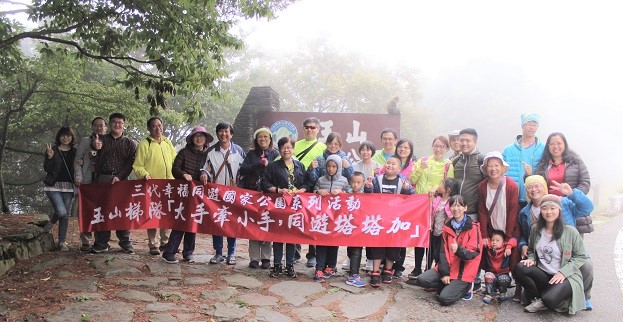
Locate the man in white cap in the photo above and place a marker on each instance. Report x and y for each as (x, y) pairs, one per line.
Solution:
(455, 144)
(524, 153)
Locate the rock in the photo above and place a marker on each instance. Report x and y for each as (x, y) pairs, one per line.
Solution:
(94, 311)
(314, 314)
(147, 282)
(257, 299)
(295, 292)
(219, 295)
(242, 281)
(134, 295)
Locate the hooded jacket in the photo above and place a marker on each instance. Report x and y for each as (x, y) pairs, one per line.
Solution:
(314, 174)
(465, 263)
(336, 181)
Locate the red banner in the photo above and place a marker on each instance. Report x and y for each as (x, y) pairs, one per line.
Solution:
(343, 220)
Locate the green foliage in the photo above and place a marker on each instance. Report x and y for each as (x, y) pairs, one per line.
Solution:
(162, 47)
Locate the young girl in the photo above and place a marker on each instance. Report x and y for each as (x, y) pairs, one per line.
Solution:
(390, 182)
(441, 213)
(459, 258)
(332, 183)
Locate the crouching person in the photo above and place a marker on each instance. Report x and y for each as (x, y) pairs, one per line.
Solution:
(459, 256)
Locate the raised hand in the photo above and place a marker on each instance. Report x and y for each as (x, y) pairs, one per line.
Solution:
(97, 143)
(48, 150)
(564, 188)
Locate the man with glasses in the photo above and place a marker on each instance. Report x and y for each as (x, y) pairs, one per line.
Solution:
(467, 170)
(115, 156)
(389, 137)
(524, 153)
(306, 150)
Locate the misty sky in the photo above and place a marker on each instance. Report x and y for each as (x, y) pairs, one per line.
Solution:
(561, 59)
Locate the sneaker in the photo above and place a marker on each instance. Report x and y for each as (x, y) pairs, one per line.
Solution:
(346, 265)
(369, 266)
(231, 260)
(319, 276)
(290, 271)
(328, 272)
(170, 259)
(375, 279)
(48, 227)
(254, 264)
(85, 248)
(412, 281)
(265, 264)
(128, 249)
(217, 259)
(154, 251)
(398, 274)
(535, 306)
(470, 294)
(188, 259)
(356, 281)
(63, 247)
(588, 305)
(386, 277)
(414, 274)
(97, 250)
(311, 262)
(277, 270)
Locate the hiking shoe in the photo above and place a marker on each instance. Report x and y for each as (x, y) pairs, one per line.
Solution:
(48, 227)
(386, 277)
(63, 247)
(290, 271)
(85, 248)
(154, 251)
(277, 270)
(217, 259)
(328, 272)
(356, 281)
(398, 274)
(414, 274)
(535, 306)
(311, 262)
(128, 249)
(188, 259)
(319, 276)
(375, 279)
(231, 260)
(97, 250)
(254, 264)
(588, 305)
(265, 264)
(470, 294)
(170, 259)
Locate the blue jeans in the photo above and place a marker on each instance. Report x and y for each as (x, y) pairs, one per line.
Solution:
(217, 242)
(61, 202)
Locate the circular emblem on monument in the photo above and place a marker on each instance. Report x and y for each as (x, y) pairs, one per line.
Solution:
(283, 128)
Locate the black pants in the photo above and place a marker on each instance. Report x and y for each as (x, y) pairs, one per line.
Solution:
(326, 256)
(399, 264)
(354, 254)
(535, 283)
(447, 294)
(435, 249)
(175, 238)
(311, 252)
(101, 238)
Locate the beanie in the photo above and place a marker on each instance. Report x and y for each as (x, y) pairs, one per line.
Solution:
(525, 118)
(530, 180)
(551, 200)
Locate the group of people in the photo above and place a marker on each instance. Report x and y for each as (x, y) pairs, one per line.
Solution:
(511, 214)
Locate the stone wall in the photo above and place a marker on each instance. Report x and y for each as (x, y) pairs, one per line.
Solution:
(31, 242)
(260, 99)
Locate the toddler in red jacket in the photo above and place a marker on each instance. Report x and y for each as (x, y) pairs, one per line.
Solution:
(497, 267)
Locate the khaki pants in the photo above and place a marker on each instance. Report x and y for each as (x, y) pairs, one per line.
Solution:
(259, 250)
(154, 241)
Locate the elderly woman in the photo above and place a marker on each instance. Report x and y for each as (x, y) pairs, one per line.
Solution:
(551, 275)
(187, 166)
(251, 172)
(284, 176)
(59, 181)
(498, 201)
(575, 204)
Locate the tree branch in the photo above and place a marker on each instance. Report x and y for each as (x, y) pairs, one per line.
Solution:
(12, 149)
(24, 184)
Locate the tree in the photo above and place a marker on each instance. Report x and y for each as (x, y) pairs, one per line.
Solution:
(164, 46)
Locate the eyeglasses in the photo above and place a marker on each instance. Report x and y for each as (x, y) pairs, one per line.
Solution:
(387, 139)
(310, 127)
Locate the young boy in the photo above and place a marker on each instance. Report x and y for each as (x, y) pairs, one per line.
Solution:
(497, 267)
(357, 180)
(389, 182)
(332, 183)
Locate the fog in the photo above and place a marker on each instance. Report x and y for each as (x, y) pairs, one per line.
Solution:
(483, 63)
